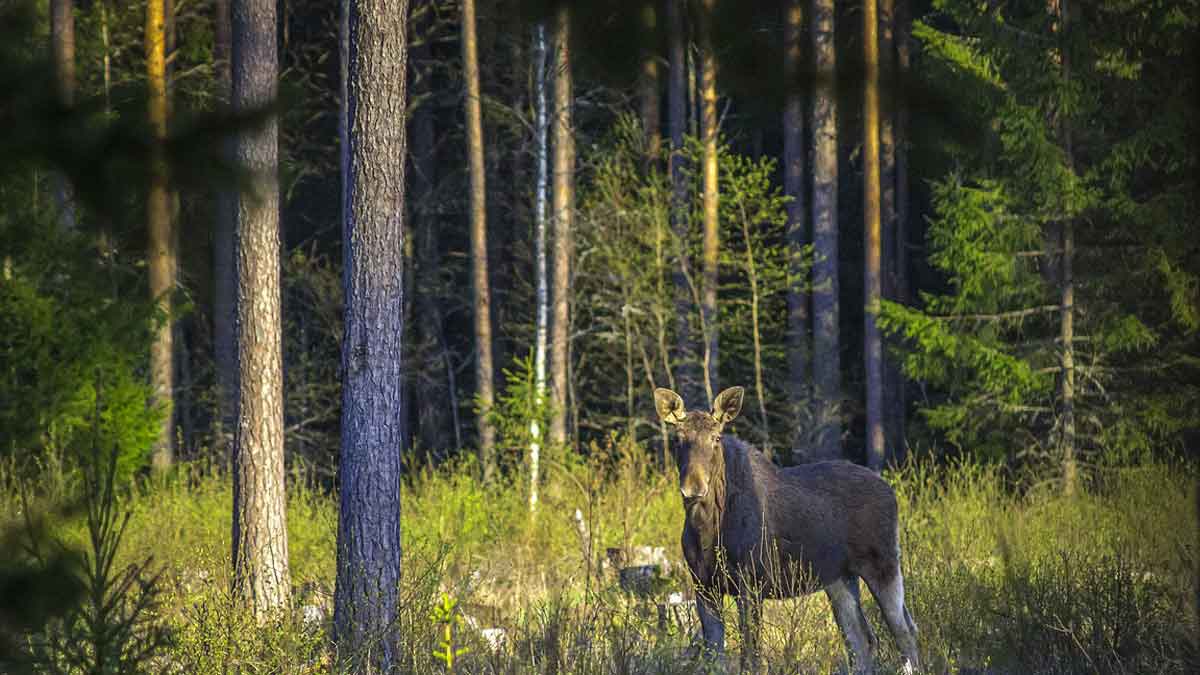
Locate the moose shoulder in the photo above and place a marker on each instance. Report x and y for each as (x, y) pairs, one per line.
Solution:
(753, 530)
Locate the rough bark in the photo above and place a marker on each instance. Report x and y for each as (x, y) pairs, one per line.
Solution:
(872, 344)
(481, 291)
(711, 200)
(429, 392)
(542, 151)
(827, 373)
(161, 252)
(225, 214)
(793, 188)
(260, 549)
(563, 141)
(686, 373)
(373, 144)
(62, 47)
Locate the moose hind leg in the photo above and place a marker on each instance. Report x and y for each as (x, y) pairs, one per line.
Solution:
(889, 594)
(847, 611)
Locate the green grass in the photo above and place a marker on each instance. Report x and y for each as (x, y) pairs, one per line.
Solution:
(1104, 581)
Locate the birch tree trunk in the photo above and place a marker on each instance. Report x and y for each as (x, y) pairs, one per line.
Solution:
(260, 546)
(62, 47)
(374, 48)
(872, 344)
(161, 252)
(563, 140)
(827, 371)
(793, 188)
(711, 197)
(479, 259)
(542, 151)
(1070, 469)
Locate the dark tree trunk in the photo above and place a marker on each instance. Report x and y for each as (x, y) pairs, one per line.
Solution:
(562, 137)
(903, 23)
(827, 374)
(430, 392)
(793, 188)
(62, 46)
(893, 383)
(374, 53)
(686, 372)
(225, 214)
(648, 86)
(260, 551)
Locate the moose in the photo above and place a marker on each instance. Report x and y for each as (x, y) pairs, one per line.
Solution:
(753, 530)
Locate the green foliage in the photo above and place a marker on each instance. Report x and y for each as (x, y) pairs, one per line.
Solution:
(1083, 145)
(449, 620)
(519, 408)
(1032, 582)
(66, 325)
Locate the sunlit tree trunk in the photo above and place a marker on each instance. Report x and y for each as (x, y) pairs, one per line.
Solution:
(374, 50)
(686, 373)
(161, 252)
(563, 140)
(1070, 469)
(872, 343)
(711, 199)
(225, 214)
(793, 188)
(62, 46)
(260, 546)
(827, 372)
(542, 178)
(479, 249)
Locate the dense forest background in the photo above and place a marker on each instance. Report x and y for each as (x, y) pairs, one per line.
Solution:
(975, 249)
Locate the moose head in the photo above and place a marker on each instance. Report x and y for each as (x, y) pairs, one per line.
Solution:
(697, 447)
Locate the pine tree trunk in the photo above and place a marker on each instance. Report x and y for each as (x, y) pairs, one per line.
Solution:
(260, 547)
(225, 213)
(872, 344)
(893, 411)
(563, 140)
(1070, 467)
(62, 46)
(827, 370)
(711, 201)
(686, 372)
(479, 249)
(429, 396)
(793, 188)
(161, 253)
(648, 86)
(542, 151)
(374, 49)
(903, 22)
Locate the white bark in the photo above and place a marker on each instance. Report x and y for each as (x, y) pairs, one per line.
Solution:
(539, 214)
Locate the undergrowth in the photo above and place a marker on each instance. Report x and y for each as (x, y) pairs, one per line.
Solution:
(1000, 582)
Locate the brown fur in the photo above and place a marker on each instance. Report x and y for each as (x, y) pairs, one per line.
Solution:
(754, 530)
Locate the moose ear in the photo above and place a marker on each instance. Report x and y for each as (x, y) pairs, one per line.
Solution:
(669, 405)
(728, 404)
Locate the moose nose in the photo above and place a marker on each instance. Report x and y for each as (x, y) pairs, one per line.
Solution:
(693, 488)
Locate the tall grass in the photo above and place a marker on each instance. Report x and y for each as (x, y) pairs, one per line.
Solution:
(997, 581)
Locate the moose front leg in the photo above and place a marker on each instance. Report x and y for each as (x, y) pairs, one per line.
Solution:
(712, 627)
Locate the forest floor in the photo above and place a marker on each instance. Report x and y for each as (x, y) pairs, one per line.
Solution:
(997, 581)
